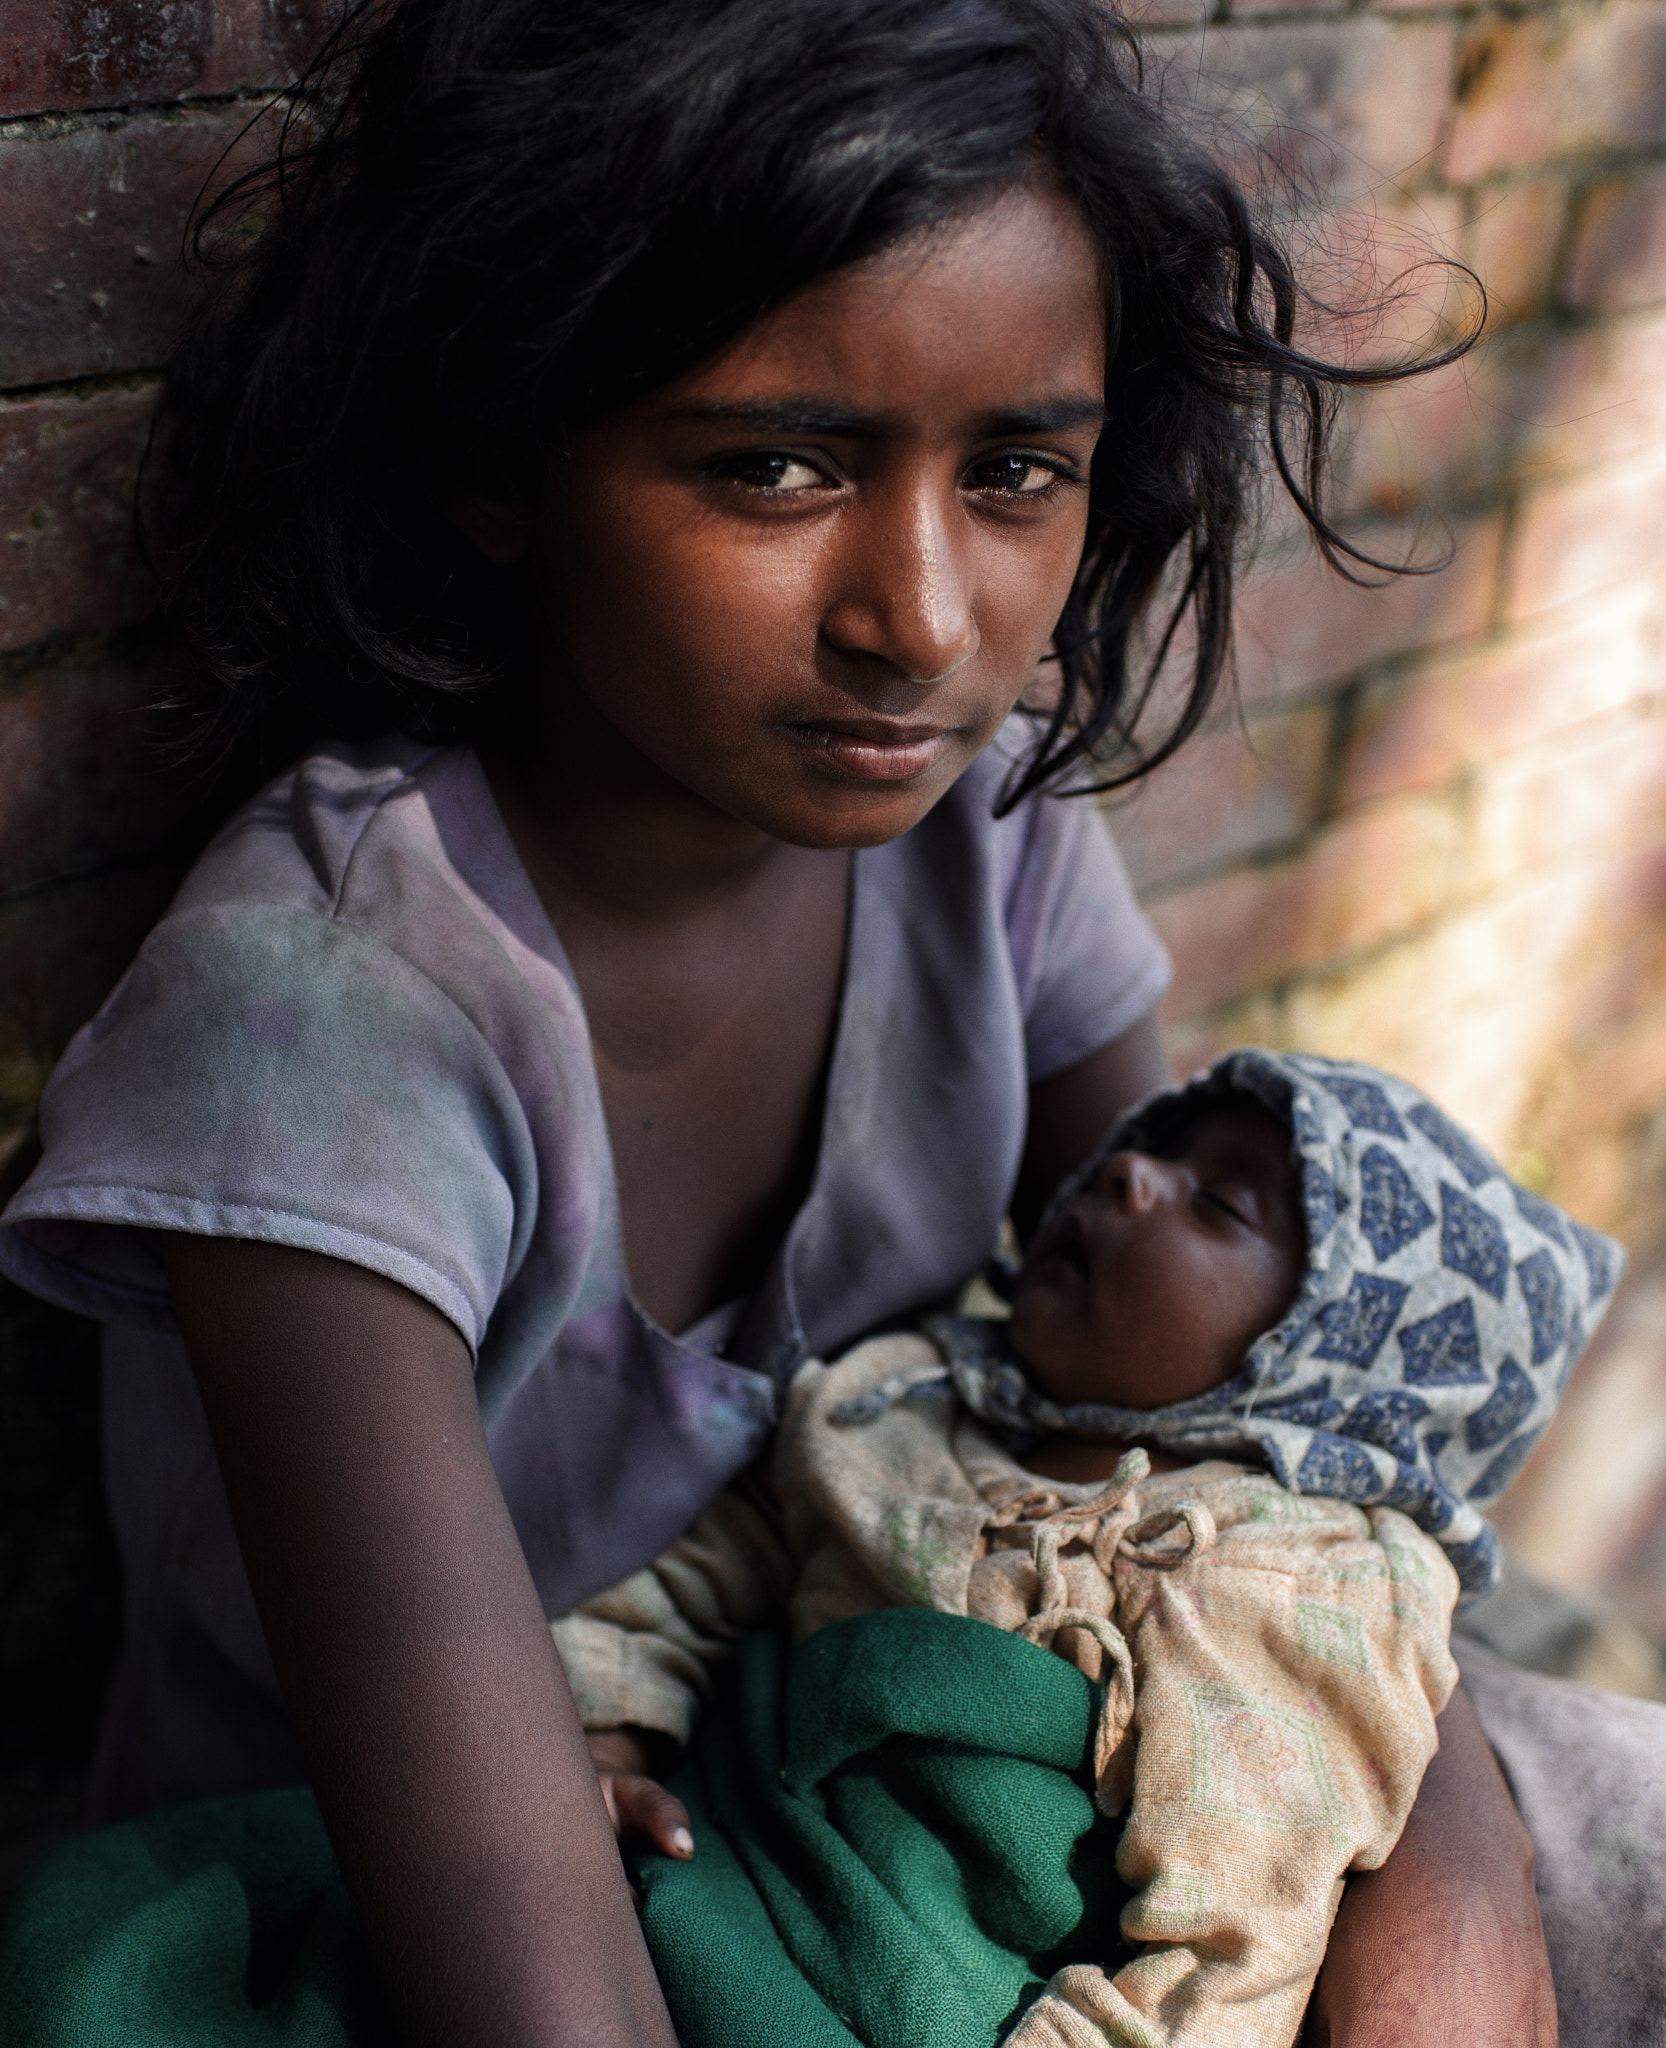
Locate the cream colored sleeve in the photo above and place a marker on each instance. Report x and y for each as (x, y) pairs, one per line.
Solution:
(1288, 1679)
(643, 1653)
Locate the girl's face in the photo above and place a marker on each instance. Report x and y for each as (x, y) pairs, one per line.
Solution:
(808, 580)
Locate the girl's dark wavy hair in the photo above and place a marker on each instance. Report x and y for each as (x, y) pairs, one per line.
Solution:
(491, 222)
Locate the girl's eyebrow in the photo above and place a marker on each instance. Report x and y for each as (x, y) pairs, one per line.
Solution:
(811, 415)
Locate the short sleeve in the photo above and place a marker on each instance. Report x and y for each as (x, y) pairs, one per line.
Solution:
(282, 1076)
(1089, 965)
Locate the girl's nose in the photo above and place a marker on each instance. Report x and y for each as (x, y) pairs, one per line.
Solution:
(905, 592)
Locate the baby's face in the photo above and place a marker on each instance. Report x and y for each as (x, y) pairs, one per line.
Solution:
(1151, 1284)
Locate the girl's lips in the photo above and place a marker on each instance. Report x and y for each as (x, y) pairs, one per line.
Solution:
(876, 753)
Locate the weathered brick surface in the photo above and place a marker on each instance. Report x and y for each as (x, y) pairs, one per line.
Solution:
(1229, 792)
(1366, 878)
(1338, 107)
(82, 785)
(1619, 256)
(63, 55)
(91, 276)
(68, 558)
(1449, 717)
(1590, 533)
(1300, 625)
(1512, 242)
(65, 949)
(1559, 84)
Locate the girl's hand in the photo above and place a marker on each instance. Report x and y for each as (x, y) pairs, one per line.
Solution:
(1442, 1946)
(636, 1804)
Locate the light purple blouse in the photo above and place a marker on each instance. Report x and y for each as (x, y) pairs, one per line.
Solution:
(355, 1031)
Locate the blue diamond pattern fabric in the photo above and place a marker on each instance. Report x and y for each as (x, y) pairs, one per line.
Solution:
(1356, 1328)
(1604, 1259)
(1336, 1467)
(1391, 1420)
(1367, 1106)
(1472, 1242)
(1544, 1216)
(1547, 1304)
(1504, 1467)
(1416, 1367)
(1319, 1195)
(1444, 1350)
(1509, 1404)
(1475, 1165)
(1391, 1211)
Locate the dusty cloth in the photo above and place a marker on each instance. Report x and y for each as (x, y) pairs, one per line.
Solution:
(355, 1031)
(1440, 1312)
(227, 1922)
(1272, 1667)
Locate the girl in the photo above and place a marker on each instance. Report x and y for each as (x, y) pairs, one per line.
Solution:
(684, 426)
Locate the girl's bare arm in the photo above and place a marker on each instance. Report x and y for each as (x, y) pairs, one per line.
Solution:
(1442, 1945)
(414, 1654)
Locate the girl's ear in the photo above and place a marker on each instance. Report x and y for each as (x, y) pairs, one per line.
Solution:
(497, 528)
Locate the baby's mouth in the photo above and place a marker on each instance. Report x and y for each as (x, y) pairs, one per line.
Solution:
(1070, 1242)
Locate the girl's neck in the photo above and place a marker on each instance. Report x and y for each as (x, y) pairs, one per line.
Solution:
(609, 835)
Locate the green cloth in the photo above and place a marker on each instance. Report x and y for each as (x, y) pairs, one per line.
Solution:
(896, 1844)
(218, 1925)
(895, 1841)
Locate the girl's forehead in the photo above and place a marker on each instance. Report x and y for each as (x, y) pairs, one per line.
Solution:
(1002, 300)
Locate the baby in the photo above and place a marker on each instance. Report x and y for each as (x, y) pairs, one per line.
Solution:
(1267, 1352)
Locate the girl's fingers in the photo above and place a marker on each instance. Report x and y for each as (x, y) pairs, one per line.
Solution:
(637, 1806)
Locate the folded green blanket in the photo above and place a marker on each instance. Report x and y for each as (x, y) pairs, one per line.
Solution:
(896, 1844)
(218, 1925)
(896, 1841)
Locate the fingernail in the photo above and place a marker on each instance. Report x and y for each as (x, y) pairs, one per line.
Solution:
(682, 1841)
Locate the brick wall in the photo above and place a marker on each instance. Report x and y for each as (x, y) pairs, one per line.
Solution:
(111, 116)
(1433, 836)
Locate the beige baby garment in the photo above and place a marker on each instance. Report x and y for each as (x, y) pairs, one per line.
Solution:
(1273, 1665)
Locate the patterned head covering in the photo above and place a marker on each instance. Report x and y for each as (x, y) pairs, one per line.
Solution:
(1440, 1312)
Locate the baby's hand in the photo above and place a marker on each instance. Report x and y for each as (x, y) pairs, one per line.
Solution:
(636, 1805)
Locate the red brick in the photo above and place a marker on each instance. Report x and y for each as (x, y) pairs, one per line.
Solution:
(1167, 13)
(1598, 793)
(1338, 106)
(1527, 404)
(1300, 624)
(1586, 534)
(82, 785)
(1554, 86)
(1227, 793)
(68, 557)
(90, 227)
(64, 950)
(1451, 716)
(1484, 980)
(1511, 243)
(63, 55)
(1382, 277)
(1248, 10)
(1619, 1077)
(1366, 878)
(1619, 254)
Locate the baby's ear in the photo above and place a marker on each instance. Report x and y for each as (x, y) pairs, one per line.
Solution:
(498, 528)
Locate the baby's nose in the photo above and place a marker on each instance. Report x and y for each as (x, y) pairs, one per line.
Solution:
(1141, 1181)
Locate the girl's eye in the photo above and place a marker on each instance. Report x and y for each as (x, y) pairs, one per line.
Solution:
(1015, 476)
(780, 475)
